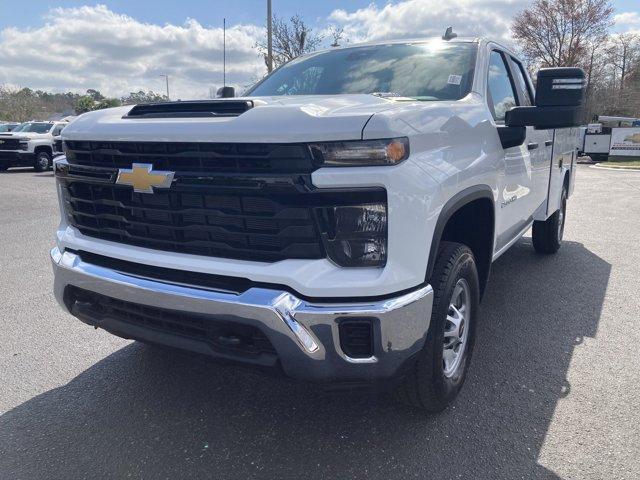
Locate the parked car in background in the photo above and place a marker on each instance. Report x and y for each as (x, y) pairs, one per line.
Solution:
(31, 144)
(8, 127)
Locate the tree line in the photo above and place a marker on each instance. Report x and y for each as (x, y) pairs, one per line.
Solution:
(25, 104)
(559, 33)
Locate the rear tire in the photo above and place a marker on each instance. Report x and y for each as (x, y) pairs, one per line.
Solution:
(547, 235)
(439, 372)
(42, 162)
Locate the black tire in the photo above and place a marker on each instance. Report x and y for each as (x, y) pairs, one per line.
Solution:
(547, 235)
(426, 386)
(42, 162)
(4, 168)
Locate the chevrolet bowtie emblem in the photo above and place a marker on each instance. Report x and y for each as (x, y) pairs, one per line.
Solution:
(143, 178)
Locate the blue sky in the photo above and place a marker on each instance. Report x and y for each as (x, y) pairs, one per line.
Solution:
(120, 46)
(207, 12)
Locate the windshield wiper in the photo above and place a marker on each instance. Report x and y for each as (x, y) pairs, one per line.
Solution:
(386, 94)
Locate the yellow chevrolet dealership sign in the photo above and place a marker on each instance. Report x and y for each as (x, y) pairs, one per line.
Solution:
(143, 178)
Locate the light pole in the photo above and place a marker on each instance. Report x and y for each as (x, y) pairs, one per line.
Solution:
(167, 79)
(269, 40)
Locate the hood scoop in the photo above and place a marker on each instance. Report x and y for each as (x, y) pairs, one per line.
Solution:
(191, 109)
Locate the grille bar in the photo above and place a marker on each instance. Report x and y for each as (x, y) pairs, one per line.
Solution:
(236, 226)
(194, 157)
(9, 144)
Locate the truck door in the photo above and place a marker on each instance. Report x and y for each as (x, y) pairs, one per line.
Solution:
(515, 204)
(539, 142)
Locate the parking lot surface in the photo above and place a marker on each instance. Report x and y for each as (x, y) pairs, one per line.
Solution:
(552, 393)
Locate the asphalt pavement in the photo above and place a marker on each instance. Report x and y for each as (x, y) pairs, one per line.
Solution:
(553, 389)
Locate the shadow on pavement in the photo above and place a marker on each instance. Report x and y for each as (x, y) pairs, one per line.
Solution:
(148, 413)
(17, 170)
(48, 173)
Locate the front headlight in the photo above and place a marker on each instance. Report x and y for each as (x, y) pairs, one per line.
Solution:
(357, 153)
(356, 235)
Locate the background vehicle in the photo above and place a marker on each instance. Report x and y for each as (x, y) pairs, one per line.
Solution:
(614, 136)
(57, 146)
(596, 142)
(339, 222)
(7, 127)
(31, 144)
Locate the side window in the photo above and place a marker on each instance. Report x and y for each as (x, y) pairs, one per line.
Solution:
(57, 130)
(501, 95)
(523, 85)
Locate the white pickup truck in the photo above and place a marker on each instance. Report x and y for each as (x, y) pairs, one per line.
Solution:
(31, 144)
(338, 222)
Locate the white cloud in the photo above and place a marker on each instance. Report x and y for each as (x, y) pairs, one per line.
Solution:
(627, 18)
(423, 18)
(93, 47)
(627, 22)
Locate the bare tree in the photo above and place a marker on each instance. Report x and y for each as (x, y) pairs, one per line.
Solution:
(624, 54)
(556, 33)
(290, 40)
(337, 35)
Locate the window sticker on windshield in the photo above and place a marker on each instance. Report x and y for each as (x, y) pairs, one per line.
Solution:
(454, 79)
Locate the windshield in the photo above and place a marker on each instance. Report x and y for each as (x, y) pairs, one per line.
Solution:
(6, 127)
(434, 70)
(34, 127)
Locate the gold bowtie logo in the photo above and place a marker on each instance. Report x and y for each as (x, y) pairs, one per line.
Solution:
(143, 178)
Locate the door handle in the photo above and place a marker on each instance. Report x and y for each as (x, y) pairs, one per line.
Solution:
(532, 146)
(548, 143)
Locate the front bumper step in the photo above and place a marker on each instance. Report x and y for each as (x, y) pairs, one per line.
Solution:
(304, 336)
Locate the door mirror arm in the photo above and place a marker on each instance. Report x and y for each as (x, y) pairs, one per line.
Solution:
(511, 136)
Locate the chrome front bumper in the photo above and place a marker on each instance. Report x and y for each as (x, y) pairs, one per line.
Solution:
(305, 335)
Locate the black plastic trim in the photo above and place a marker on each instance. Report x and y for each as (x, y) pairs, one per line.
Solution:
(454, 204)
(205, 108)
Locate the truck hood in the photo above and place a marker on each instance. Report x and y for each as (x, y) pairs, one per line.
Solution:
(272, 119)
(30, 135)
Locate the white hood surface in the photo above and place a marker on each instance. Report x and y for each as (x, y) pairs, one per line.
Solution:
(272, 119)
(31, 135)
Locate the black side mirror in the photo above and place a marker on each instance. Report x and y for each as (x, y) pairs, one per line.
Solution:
(560, 87)
(226, 92)
(559, 100)
(511, 136)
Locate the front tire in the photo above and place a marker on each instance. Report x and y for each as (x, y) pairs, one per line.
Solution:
(441, 367)
(43, 160)
(547, 235)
